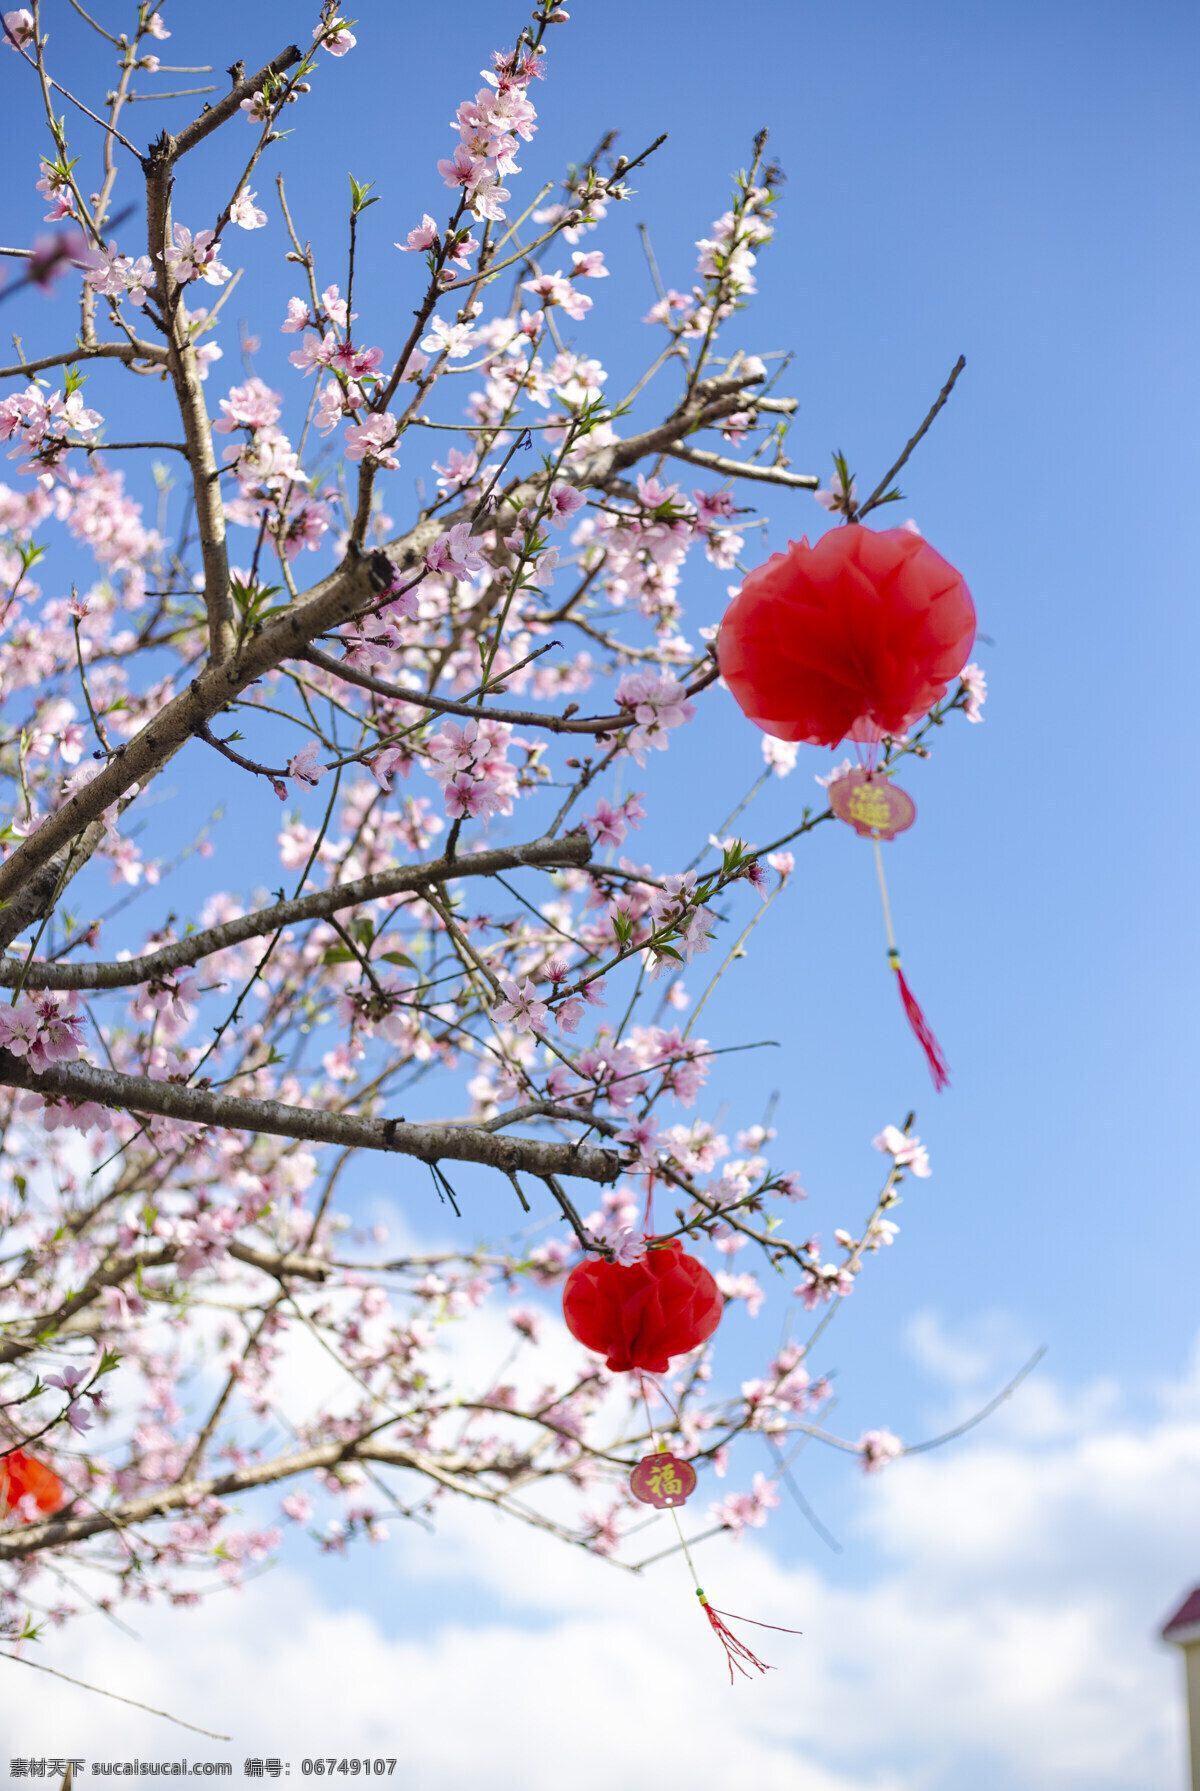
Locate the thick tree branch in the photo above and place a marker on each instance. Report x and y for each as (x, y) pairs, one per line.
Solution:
(205, 1107)
(213, 117)
(352, 587)
(57, 1532)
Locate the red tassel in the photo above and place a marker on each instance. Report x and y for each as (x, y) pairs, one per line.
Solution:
(939, 1069)
(736, 1652)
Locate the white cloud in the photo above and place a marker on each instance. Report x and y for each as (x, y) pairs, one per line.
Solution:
(1004, 1637)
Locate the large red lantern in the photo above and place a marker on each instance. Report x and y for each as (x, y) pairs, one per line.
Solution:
(640, 1314)
(21, 1474)
(858, 636)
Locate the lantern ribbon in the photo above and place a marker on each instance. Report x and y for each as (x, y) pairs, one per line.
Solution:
(939, 1069)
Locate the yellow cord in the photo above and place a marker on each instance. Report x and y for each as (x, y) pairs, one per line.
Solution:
(893, 954)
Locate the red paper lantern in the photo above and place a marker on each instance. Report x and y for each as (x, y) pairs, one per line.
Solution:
(641, 1314)
(21, 1474)
(859, 635)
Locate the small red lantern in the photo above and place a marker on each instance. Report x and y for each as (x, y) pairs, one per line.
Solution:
(859, 635)
(663, 1480)
(875, 807)
(639, 1315)
(21, 1474)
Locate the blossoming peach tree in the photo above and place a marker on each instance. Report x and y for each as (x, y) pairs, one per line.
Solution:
(456, 708)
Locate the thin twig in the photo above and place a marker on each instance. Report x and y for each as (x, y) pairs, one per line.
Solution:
(877, 496)
(99, 1689)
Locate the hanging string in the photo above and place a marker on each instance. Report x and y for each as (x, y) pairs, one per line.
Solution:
(939, 1069)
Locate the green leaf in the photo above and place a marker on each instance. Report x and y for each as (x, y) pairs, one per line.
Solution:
(339, 954)
(398, 957)
(358, 196)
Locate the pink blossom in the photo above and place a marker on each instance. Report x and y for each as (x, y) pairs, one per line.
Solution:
(314, 351)
(975, 684)
(779, 755)
(252, 405)
(303, 766)
(589, 266)
(425, 236)
(742, 1287)
(257, 108)
(243, 211)
(82, 1116)
(834, 496)
(658, 702)
(553, 289)
(909, 1153)
(819, 1285)
(297, 316)
(627, 1245)
(460, 468)
(453, 339)
(46, 1028)
(18, 28)
(831, 777)
(298, 1506)
(453, 553)
(330, 407)
(104, 270)
(462, 169)
(470, 798)
(58, 191)
(462, 249)
(742, 1509)
(335, 37)
(878, 1447)
(570, 1014)
(155, 26)
(488, 197)
(608, 824)
(374, 438)
(306, 528)
(521, 1008)
(386, 762)
(195, 258)
(561, 504)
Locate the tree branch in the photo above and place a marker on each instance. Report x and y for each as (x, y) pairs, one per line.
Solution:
(520, 718)
(549, 854)
(205, 1107)
(743, 469)
(350, 588)
(99, 351)
(31, 1539)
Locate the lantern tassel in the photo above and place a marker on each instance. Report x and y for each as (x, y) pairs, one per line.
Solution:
(736, 1651)
(939, 1069)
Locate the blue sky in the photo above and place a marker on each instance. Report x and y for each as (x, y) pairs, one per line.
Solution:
(1016, 184)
